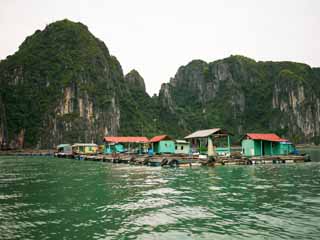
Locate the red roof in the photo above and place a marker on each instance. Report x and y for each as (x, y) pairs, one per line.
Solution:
(159, 138)
(272, 137)
(126, 139)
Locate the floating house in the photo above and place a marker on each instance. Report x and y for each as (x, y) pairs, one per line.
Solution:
(64, 148)
(116, 144)
(261, 144)
(182, 147)
(162, 144)
(85, 148)
(204, 141)
(113, 147)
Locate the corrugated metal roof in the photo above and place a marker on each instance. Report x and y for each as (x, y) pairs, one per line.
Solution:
(126, 139)
(85, 145)
(203, 133)
(182, 141)
(160, 138)
(63, 145)
(272, 137)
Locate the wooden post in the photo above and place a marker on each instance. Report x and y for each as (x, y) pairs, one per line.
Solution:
(211, 151)
(261, 148)
(229, 148)
(271, 149)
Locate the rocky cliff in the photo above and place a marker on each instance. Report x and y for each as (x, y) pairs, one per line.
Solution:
(243, 95)
(135, 82)
(139, 112)
(62, 85)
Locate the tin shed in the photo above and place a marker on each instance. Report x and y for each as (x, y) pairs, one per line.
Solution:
(207, 137)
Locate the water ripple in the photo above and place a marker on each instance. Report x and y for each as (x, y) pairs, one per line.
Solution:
(46, 198)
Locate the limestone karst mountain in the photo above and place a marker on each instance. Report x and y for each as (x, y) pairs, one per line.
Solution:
(245, 96)
(62, 85)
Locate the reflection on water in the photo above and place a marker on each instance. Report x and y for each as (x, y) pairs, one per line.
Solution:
(47, 198)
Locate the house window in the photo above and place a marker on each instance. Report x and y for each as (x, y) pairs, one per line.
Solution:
(176, 147)
(181, 147)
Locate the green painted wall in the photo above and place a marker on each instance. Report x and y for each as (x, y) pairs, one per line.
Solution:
(182, 148)
(114, 148)
(253, 148)
(285, 148)
(248, 148)
(258, 147)
(164, 147)
(222, 150)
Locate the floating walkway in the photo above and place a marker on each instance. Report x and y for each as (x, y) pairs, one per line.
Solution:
(180, 160)
(44, 153)
(168, 160)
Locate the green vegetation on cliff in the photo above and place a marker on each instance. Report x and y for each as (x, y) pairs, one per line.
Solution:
(243, 95)
(62, 85)
(51, 83)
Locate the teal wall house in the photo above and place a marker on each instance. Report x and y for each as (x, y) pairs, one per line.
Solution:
(265, 144)
(111, 148)
(286, 148)
(182, 147)
(120, 144)
(162, 144)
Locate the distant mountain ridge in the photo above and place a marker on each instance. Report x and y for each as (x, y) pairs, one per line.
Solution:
(62, 85)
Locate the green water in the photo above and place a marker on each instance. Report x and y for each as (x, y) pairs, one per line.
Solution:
(49, 198)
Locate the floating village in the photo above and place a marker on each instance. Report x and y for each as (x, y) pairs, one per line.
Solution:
(209, 147)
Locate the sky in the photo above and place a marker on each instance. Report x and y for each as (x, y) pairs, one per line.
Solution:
(157, 37)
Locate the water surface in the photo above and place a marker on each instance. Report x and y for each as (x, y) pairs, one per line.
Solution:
(49, 198)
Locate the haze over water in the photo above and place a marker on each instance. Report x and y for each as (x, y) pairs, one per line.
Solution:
(49, 198)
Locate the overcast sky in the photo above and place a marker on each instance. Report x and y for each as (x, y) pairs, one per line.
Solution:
(156, 37)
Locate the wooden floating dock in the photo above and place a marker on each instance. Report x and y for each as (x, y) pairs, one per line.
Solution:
(180, 160)
(44, 153)
(168, 160)
(280, 159)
